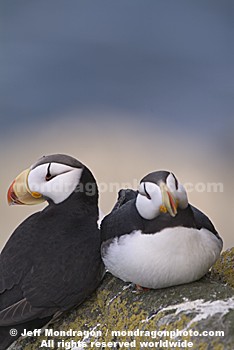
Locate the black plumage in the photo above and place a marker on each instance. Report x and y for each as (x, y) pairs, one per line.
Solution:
(155, 238)
(52, 261)
(124, 219)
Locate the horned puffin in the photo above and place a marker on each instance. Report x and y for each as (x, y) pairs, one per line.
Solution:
(52, 261)
(156, 239)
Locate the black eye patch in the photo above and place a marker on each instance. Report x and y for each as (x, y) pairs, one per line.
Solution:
(48, 175)
(176, 182)
(147, 194)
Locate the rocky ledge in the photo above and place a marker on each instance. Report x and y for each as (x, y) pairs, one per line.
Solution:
(199, 315)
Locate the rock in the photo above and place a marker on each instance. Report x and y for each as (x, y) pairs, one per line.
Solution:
(203, 306)
(223, 270)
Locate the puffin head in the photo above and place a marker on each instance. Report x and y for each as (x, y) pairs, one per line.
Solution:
(53, 178)
(160, 192)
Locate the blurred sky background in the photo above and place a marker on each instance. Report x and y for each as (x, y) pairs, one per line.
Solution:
(125, 86)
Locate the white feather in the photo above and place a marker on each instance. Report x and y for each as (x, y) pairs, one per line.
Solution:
(170, 257)
(100, 218)
(58, 188)
(149, 208)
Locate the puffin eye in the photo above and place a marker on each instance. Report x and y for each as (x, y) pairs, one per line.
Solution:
(48, 175)
(172, 182)
(176, 181)
(147, 194)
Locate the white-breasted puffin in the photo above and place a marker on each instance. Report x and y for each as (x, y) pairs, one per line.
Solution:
(52, 261)
(155, 238)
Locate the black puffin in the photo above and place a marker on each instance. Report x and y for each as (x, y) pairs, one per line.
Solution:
(154, 238)
(52, 261)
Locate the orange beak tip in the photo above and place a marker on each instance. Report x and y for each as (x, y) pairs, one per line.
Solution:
(19, 192)
(173, 204)
(11, 196)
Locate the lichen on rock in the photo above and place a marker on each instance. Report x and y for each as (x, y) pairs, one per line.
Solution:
(224, 268)
(121, 314)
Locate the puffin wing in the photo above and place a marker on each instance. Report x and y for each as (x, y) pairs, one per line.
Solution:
(202, 221)
(46, 289)
(15, 268)
(122, 220)
(20, 312)
(14, 258)
(37, 285)
(124, 195)
(65, 279)
(50, 287)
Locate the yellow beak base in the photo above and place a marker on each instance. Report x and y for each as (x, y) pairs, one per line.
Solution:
(169, 204)
(19, 192)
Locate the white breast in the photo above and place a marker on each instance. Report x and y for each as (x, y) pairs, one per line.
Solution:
(170, 257)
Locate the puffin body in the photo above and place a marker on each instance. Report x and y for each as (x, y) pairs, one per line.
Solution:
(160, 244)
(52, 261)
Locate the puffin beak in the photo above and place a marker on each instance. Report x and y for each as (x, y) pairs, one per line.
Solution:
(169, 203)
(19, 192)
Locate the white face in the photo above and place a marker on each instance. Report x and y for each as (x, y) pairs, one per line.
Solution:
(179, 194)
(149, 202)
(53, 180)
